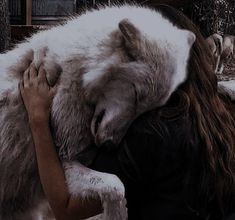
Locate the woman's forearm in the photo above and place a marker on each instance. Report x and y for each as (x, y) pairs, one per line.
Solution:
(37, 96)
(50, 170)
(53, 179)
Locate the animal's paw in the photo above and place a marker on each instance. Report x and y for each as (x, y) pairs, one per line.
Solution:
(87, 183)
(112, 195)
(112, 188)
(109, 187)
(82, 180)
(114, 209)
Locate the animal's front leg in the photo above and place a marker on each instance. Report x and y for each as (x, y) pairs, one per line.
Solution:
(86, 183)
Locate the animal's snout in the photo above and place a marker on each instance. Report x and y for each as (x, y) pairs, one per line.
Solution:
(96, 122)
(102, 136)
(109, 144)
(102, 140)
(112, 117)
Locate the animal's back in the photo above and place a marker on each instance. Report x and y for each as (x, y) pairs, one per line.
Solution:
(83, 34)
(94, 27)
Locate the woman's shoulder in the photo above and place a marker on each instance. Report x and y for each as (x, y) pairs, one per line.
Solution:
(159, 142)
(171, 125)
(159, 155)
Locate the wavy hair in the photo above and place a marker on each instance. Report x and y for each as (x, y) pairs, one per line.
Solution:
(212, 113)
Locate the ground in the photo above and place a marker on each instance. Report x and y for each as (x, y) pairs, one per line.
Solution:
(229, 71)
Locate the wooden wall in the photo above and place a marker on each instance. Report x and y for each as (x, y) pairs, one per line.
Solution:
(43, 11)
(47, 11)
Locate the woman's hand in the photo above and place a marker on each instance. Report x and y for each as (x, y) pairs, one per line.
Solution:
(37, 95)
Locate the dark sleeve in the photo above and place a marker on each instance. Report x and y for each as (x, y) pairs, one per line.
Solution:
(134, 160)
(135, 163)
(151, 164)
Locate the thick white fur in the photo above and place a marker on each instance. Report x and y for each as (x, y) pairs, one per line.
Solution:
(227, 53)
(64, 42)
(157, 28)
(215, 43)
(81, 37)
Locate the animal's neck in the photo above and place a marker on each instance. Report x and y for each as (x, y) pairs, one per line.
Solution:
(71, 117)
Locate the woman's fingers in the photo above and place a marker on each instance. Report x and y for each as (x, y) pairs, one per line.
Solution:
(53, 90)
(26, 78)
(32, 72)
(21, 87)
(30, 76)
(35, 79)
(42, 75)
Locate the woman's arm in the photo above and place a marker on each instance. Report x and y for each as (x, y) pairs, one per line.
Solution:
(37, 96)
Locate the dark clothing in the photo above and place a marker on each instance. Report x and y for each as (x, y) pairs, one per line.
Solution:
(159, 164)
(153, 164)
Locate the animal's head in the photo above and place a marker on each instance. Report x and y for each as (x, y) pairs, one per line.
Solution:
(147, 68)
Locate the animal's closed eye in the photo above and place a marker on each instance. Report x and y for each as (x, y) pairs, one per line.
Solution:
(98, 120)
(131, 57)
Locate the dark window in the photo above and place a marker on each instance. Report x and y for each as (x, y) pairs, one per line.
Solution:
(37, 12)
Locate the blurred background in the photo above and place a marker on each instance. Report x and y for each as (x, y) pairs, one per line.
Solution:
(19, 18)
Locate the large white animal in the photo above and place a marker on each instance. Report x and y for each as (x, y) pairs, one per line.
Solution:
(115, 63)
(227, 53)
(215, 43)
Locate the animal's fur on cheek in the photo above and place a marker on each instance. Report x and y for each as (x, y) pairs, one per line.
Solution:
(115, 108)
(86, 183)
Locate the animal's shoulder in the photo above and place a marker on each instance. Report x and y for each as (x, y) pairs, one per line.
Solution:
(108, 18)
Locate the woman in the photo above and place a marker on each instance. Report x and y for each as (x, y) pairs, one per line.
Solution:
(176, 162)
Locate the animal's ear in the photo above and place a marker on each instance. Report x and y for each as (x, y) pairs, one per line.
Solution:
(191, 37)
(130, 33)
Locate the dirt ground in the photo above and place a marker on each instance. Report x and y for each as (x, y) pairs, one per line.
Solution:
(229, 71)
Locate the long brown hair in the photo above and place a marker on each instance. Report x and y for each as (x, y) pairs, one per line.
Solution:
(213, 114)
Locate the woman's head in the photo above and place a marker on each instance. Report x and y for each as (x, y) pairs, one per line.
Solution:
(214, 115)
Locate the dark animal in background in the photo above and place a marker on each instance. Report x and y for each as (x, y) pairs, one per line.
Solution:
(227, 53)
(215, 43)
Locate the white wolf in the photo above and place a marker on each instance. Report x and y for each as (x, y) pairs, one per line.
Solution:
(115, 64)
(227, 52)
(215, 43)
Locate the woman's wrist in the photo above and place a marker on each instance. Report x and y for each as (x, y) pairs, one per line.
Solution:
(39, 121)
